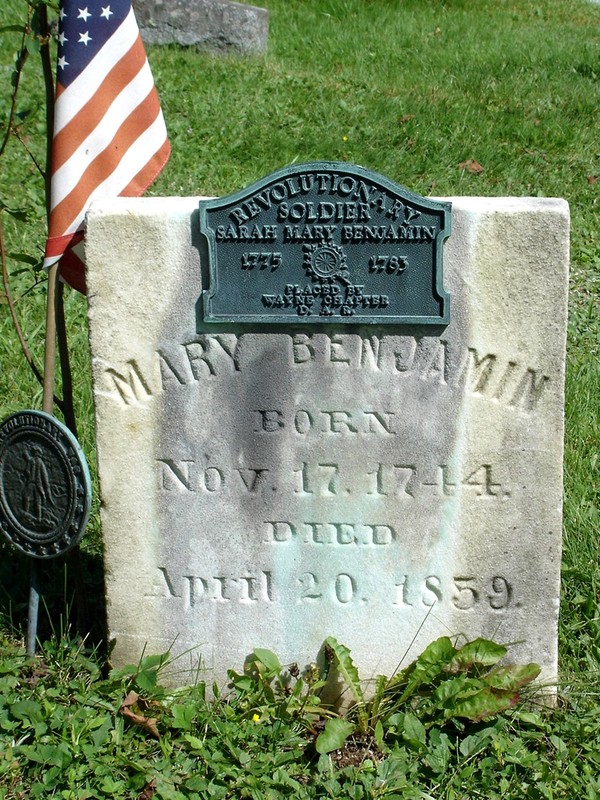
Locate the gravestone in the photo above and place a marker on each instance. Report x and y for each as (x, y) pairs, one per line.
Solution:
(276, 469)
(218, 25)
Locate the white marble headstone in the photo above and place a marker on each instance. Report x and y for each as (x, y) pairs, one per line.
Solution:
(383, 486)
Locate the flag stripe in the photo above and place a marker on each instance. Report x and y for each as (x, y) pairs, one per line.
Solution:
(151, 141)
(68, 175)
(74, 135)
(72, 268)
(119, 159)
(56, 246)
(149, 172)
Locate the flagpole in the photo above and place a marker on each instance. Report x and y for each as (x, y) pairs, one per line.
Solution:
(50, 337)
(50, 341)
(56, 329)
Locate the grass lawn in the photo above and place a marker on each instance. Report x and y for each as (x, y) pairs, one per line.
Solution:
(412, 89)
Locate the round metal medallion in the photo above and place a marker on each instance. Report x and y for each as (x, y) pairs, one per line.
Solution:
(45, 486)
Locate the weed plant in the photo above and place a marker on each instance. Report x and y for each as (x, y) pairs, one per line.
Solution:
(68, 732)
(448, 97)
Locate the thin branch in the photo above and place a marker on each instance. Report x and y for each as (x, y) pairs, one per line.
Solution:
(19, 69)
(29, 153)
(13, 314)
(11, 308)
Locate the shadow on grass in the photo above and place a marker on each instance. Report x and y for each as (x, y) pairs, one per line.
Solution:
(71, 596)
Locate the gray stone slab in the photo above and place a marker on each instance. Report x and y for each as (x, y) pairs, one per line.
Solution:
(269, 489)
(212, 24)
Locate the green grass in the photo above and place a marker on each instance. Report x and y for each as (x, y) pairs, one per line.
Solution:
(70, 732)
(410, 89)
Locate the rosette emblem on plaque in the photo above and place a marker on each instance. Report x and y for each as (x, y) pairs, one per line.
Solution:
(325, 262)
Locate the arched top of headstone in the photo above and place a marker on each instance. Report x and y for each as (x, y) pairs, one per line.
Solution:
(216, 25)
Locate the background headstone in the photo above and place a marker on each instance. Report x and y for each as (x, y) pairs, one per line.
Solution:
(270, 488)
(212, 24)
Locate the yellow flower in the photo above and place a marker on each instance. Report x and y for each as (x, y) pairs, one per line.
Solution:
(255, 718)
(344, 138)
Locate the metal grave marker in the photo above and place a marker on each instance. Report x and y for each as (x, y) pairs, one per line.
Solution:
(45, 494)
(45, 486)
(325, 242)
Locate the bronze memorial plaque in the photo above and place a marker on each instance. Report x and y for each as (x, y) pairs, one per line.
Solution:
(325, 242)
(45, 486)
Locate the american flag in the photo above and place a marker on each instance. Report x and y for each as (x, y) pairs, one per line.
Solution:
(109, 134)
